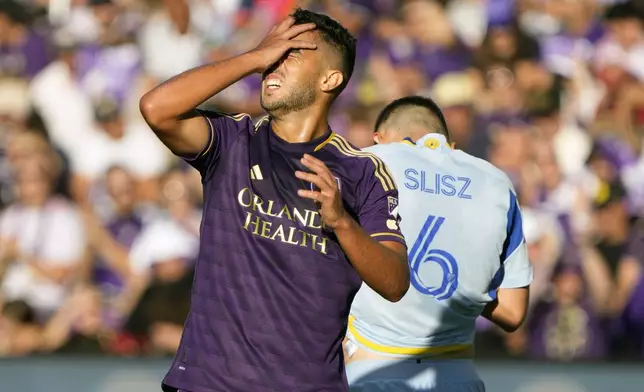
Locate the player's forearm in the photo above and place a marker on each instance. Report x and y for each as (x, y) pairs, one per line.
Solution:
(509, 309)
(168, 102)
(383, 269)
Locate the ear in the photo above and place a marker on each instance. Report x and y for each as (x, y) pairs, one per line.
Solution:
(331, 80)
(376, 137)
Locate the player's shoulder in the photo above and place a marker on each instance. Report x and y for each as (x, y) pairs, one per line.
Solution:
(349, 153)
(482, 168)
(388, 150)
(219, 114)
(236, 120)
(364, 164)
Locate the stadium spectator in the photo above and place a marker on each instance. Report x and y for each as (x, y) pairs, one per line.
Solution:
(77, 328)
(116, 141)
(48, 241)
(23, 50)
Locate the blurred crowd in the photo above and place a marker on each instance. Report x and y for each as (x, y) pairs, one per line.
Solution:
(99, 224)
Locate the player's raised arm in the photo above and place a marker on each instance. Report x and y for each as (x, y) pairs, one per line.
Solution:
(510, 289)
(169, 108)
(378, 250)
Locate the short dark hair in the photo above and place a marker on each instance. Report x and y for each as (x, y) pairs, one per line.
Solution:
(418, 102)
(623, 11)
(335, 35)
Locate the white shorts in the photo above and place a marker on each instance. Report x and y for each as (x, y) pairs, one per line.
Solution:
(410, 375)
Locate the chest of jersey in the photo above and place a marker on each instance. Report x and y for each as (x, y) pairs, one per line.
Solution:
(260, 202)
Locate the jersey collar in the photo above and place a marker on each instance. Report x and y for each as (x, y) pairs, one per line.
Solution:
(434, 141)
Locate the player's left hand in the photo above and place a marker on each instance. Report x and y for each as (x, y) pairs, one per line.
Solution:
(328, 194)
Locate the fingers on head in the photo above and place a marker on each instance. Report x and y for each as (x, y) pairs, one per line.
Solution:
(295, 30)
(285, 24)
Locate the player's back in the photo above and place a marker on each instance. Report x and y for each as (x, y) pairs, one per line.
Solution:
(459, 217)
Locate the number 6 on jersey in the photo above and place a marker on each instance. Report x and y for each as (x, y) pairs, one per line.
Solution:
(421, 253)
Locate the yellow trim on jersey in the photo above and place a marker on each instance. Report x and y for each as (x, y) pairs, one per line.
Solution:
(261, 121)
(391, 234)
(382, 173)
(325, 142)
(211, 127)
(237, 117)
(410, 351)
(405, 141)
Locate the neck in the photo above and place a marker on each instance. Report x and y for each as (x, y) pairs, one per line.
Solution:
(301, 126)
(416, 134)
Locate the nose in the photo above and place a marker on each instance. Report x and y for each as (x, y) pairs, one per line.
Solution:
(274, 68)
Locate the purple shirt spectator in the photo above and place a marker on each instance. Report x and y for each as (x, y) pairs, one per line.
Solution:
(567, 328)
(564, 333)
(124, 230)
(109, 71)
(25, 59)
(558, 51)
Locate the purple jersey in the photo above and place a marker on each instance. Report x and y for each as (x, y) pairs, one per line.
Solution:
(272, 288)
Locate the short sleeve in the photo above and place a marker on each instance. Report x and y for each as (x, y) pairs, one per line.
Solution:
(515, 270)
(224, 130)
(378, 204)
(65, 242)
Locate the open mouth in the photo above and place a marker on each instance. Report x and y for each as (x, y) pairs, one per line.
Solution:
(272, 82)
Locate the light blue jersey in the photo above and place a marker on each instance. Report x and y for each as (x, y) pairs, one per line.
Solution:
(464, 235)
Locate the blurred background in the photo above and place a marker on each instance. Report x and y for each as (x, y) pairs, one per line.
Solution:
(99, 224)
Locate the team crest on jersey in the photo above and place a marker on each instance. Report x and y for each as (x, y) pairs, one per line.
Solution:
(432, 143)
(393, 205)
(337, 180)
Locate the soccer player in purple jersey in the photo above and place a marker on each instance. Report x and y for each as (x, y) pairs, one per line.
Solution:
(295, 217)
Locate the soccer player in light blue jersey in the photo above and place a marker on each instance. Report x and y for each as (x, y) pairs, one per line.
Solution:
(467, 257)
